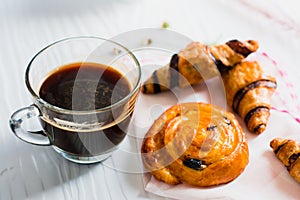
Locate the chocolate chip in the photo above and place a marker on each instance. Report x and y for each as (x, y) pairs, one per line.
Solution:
(194, 164)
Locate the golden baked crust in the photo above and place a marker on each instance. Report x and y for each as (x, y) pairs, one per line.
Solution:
(196, 63)
(248, 92)
(195, 143)
(288, 152)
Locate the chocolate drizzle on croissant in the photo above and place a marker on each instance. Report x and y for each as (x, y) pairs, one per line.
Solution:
(243, 91)
(174, 71)
(244, 48)
(248, 92)
(239, 48)
(288, 152)
(156, 86)
(196, 63)
(248, 89)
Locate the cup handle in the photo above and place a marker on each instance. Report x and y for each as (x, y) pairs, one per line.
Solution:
(32, 137)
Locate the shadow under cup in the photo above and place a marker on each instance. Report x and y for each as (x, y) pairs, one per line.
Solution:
(80, 135)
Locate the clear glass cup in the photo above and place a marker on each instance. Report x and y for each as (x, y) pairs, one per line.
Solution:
(81, 136)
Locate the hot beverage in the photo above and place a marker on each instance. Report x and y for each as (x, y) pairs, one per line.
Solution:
(83, 107)
(86, 87)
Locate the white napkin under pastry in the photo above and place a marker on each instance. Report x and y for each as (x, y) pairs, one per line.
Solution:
(265, 177)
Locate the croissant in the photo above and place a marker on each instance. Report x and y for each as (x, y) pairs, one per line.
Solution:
(248, 92)
(195, 143)
(196, 63)
(288, 152)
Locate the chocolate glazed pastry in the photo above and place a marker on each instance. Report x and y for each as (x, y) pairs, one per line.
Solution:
(288, 152)
(248, 92)
(195, 143)
(196, 63)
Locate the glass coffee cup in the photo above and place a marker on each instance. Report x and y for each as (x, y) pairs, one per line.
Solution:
(84, 90)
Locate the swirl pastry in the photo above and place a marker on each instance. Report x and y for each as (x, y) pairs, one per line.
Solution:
(288, 152)
(196, 63)
(195, 143)
(248, 92)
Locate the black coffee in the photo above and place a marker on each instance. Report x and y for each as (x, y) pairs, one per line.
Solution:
(86, 87)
